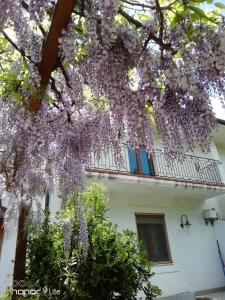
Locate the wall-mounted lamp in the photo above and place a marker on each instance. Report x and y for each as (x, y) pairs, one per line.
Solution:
(2, 212)
(210, 215)
(184, 221)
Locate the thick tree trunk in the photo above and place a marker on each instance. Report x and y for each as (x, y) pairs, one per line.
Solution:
(21, 245)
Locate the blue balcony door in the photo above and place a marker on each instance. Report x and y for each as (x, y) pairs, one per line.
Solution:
(145, 165)
(132, 155)
(139, 162)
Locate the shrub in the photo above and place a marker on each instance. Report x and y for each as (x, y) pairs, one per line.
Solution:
(114, 268)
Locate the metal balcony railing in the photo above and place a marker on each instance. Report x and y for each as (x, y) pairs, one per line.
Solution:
(189, 169)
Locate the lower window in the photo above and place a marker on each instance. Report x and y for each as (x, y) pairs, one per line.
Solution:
(152, 232)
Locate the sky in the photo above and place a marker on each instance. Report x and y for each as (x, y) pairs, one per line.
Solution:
(217, 106)
(218, 109)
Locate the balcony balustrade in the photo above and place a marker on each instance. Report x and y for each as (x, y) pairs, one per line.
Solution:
(190, 168)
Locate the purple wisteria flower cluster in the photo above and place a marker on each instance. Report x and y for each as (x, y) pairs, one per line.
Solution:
(67, 231)
(83, 239)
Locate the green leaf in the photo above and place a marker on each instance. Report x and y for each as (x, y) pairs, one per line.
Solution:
(202, 16)
(198, 11)
(216, 12)
(220, 5)
(198, 1)
(176, 19)
(143, 17)
(80, 27)
(17, 96)
(195, 17)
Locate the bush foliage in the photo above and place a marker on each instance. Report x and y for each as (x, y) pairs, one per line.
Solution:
(115, 267)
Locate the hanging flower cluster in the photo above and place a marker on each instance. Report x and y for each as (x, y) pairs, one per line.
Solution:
(83, 239)
(4, 7)
(50, 127)
(67, 231)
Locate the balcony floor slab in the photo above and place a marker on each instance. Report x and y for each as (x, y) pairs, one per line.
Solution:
(157, 186)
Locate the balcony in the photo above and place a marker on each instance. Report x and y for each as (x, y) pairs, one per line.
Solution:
(190, 169)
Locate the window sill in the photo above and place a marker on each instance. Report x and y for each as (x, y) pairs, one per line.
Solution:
(164, 263)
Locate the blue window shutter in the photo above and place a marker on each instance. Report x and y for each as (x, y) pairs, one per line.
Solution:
(145, 166)
(132, 160)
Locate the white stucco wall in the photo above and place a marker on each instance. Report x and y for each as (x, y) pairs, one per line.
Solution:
(221, 199)
(220, 235)
(221, 152)
(7, 258)
(8, 254)
(196, 265)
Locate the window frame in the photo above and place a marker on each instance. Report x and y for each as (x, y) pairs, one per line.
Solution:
(170, 261)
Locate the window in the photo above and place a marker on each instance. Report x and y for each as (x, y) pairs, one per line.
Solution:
(152, 232)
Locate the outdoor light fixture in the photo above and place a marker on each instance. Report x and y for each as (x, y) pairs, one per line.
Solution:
(210, 215)
(184, 221)
(2, 212)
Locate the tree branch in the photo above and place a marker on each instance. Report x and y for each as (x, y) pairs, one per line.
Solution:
(133, 3)
(130, 19)
(55, 90)
(138, 4)
(161, 23)
(152, 36)
(21, 51)
(66, 77)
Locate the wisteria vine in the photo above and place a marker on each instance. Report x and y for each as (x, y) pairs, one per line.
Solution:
(112, 71)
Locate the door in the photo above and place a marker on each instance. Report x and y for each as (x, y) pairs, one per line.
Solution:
(139, 162)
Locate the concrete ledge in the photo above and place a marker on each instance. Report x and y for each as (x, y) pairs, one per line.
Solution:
(167, 298)
(200, 295)
(209, 291)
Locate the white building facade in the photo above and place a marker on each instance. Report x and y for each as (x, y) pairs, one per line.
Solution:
(154, 199)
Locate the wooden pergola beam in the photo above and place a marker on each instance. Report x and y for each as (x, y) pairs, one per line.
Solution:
(60, 19)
